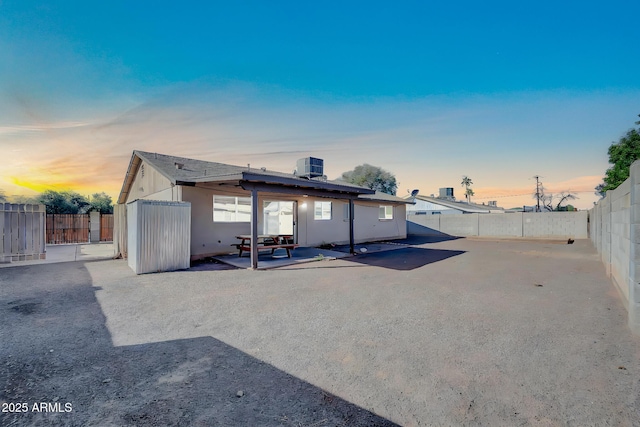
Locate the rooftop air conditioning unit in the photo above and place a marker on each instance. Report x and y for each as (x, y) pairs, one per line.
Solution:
(310, 167)
(446, 193)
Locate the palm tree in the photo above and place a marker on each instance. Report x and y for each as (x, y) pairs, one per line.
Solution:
(468, 194)
(467, 182)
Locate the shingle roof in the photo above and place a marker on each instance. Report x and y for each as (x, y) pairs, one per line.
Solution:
(182, 170)
(191, 170)
(384, 197)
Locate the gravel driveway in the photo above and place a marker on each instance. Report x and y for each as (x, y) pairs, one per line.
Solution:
(459, 332)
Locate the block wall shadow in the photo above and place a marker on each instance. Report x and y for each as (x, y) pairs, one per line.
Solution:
(430, 235)
(404, 259)
(56, 348)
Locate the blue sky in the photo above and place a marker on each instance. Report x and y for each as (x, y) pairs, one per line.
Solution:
(499, 91)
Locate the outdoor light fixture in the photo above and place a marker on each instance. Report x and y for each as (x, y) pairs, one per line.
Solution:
(304, 205)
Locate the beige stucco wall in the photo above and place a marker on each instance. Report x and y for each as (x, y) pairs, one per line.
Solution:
(211, 238)
(152, 186)
(312, 232)
(367, 226)
(208, 237)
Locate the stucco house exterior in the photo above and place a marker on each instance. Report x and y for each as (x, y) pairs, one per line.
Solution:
(227, 201)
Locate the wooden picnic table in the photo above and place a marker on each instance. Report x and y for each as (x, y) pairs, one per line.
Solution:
(266, 242)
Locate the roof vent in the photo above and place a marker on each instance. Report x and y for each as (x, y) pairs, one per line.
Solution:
(310, 167)
(179, 165)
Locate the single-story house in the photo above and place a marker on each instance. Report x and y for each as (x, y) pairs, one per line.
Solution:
(227, 201)
(425, 205)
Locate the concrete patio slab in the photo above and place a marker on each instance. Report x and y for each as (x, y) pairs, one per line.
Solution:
(280, 259)
(69, 253)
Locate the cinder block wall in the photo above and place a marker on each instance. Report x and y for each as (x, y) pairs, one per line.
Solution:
(615, 232)
(561, 225)
(459, 225)
(508, 225)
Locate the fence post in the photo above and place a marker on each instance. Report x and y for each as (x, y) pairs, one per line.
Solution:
(5, 250)
(94, 227)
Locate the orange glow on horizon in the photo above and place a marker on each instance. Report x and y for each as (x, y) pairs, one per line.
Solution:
(36, 186)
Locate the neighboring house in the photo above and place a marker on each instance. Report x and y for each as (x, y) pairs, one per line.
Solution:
(425, 205)
(313, 210)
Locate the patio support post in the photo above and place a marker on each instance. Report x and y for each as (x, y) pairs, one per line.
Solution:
(254, 229)
(351, 211)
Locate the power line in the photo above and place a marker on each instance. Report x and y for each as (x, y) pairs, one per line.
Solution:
(523, 194)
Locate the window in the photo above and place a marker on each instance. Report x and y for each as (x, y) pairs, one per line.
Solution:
(322, 210)
(385, 212)
(231, 209)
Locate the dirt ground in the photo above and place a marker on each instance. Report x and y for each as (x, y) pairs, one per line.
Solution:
(459, 332)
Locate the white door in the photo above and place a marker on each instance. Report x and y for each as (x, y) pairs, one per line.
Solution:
(278, 218)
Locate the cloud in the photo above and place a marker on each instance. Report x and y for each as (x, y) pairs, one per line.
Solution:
(428, 143)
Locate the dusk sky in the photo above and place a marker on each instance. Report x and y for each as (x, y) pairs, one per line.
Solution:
(431, 91)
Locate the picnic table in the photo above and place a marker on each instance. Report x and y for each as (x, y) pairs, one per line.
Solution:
(266, 242)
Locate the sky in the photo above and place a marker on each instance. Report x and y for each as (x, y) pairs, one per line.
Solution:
(430, 91)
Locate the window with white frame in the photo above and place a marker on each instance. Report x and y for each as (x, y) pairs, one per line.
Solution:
(322, 210)
(385, 212)
(231, 209)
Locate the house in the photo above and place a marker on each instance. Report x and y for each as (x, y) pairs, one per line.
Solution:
(425, 205)
(227, 201)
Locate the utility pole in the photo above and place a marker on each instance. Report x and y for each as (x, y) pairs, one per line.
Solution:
(537, 177)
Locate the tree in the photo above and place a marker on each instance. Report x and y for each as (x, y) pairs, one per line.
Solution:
(468, 193)
(467, 183)
(564, 197)
(22, 199)
(64, 202)
(547, 199)
(372, 177)
(101, 202)
(621, 155)
(3, 196)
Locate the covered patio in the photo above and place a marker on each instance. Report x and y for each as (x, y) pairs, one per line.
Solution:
(233, 206)
(280, 259)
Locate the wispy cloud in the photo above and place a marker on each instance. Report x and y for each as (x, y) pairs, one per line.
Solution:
(427, 143)
(40, 127)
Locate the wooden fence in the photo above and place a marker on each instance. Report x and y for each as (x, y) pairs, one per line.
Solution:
(22, 232)
(106, 228)
(67, 228)
(75, 228)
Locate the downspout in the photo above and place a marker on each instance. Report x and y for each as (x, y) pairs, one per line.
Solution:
(352, 249)
(254, 229)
